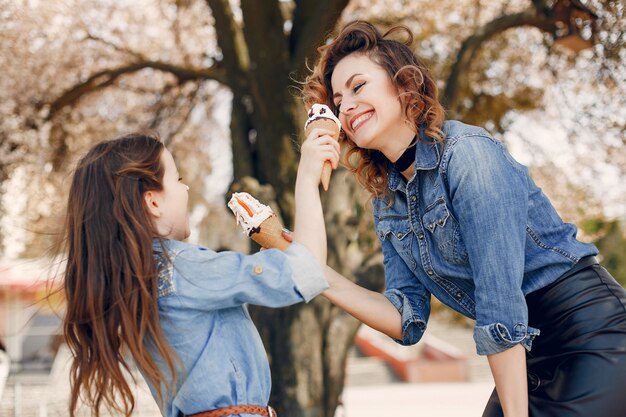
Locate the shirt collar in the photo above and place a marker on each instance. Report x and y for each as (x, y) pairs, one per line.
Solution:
(427, 156)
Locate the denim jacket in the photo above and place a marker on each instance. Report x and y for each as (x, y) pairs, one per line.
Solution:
(473, 229)
(202, 297)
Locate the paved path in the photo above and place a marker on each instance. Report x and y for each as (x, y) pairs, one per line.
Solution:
(416, 400)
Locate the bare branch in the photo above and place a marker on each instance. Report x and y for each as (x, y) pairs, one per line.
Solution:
(115, 46)
(457, 78)
(191, 103)
(105, 78)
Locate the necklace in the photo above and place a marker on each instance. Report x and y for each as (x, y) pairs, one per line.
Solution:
(407, 158)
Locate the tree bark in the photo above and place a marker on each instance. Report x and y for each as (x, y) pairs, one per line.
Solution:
(310, 25)
(235, 58)
(272, 104)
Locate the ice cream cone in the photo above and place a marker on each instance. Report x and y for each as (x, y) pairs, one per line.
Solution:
(258, 221)
(330, 125)
(320, 116)
(270, 234)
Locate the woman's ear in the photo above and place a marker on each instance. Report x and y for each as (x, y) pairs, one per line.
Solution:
(152, 203)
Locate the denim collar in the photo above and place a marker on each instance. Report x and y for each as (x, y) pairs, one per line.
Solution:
(427, 156)
(160, 245)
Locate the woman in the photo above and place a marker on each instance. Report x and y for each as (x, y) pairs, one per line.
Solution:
(133, 287)
(460, 219)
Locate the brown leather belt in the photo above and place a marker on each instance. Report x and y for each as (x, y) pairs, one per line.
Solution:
(238, 409)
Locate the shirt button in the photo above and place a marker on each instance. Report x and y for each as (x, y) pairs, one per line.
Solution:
(400, 235)
(459, 295)
(258, 269)
(430, 272)
(420, 236)
(413, 198)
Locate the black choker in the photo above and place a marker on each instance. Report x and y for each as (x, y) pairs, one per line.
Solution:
(406, 159)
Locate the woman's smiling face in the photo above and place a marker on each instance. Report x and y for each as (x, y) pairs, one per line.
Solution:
(370, 111)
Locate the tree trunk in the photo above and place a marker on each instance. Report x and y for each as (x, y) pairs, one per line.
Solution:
(308, 344)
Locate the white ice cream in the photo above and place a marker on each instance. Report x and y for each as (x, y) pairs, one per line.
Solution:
(248, 211)
(321, 111)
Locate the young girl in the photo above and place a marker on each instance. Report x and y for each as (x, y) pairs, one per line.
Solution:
(458, 218)
(133, 286)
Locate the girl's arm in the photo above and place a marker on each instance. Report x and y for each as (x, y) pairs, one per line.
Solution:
(309, 227)
(369, 307)
(509, 372)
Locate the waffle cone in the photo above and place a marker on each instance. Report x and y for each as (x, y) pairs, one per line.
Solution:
(270, 234)
(329, 125)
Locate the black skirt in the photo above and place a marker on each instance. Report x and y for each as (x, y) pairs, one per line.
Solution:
(577, 366)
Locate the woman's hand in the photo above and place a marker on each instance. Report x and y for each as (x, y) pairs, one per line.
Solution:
(320, 146)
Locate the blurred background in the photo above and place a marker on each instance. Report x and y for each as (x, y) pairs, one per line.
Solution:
(219, 81)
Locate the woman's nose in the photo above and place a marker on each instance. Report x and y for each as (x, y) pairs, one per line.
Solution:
(347, 106)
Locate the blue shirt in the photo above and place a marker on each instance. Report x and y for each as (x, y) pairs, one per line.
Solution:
(202, 297)
(471, 228)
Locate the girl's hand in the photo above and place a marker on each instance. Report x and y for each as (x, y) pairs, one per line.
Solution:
(286, 233)
(320, 146)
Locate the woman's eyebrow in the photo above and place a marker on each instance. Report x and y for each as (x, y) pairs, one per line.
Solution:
(348, 81)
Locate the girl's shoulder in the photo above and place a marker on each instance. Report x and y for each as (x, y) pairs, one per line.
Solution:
(176, 247)
(175, 260)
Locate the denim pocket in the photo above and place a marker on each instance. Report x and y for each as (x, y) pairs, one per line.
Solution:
(397, 226)
(445, 232)
(397, 230)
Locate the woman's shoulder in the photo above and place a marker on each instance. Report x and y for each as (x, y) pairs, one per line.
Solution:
(469, 145)
(454, 130)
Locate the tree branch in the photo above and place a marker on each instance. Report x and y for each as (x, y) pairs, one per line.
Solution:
(105, 78)
(118, 48)
(312, 21)
(457, 79)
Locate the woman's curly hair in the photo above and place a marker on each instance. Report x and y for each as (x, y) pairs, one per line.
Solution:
(417, 91)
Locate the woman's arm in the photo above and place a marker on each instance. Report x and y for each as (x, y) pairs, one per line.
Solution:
(509, 372)
(490, 201)
(309, 227)
(369, 307)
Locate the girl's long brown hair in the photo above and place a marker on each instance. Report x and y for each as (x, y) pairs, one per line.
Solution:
(417, 90)
(110, 281)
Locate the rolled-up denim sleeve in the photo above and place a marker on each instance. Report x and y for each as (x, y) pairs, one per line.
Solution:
(306, 272)
(489, 196)
(407, 294)
(209, 280)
